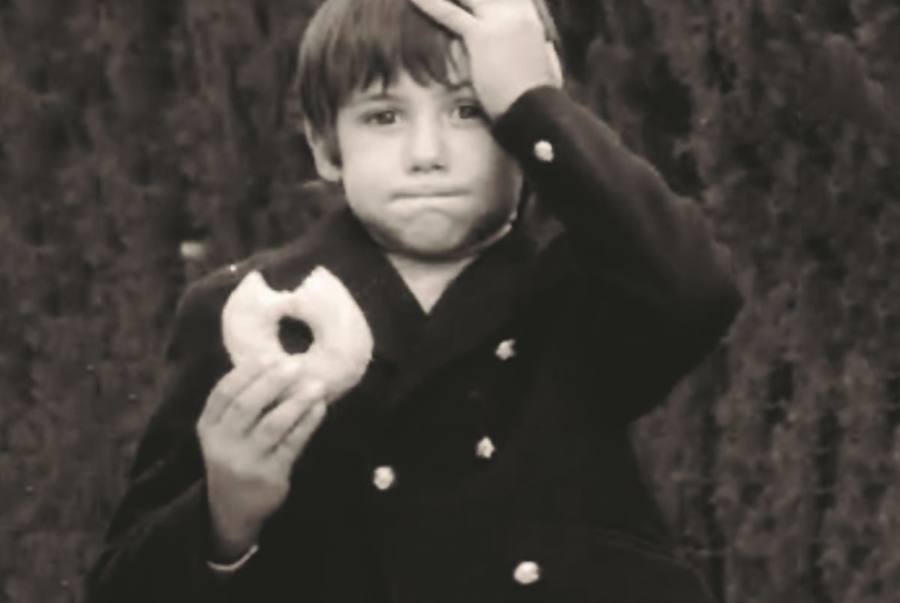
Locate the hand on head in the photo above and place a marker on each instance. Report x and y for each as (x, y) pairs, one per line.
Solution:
(506, 44)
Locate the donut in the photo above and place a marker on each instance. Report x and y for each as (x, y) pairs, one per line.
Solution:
(342, 341)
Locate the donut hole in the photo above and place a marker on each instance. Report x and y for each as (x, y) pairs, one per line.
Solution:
(295, 335)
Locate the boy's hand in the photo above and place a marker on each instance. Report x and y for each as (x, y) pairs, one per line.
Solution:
(506, 44)
(254, 426)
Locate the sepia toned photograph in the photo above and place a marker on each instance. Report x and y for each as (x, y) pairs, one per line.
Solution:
(449, 301)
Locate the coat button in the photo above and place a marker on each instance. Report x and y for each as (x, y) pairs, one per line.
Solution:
(544, 151)
(384, 477)
(527, 572)
(506, 350)
(485, 448)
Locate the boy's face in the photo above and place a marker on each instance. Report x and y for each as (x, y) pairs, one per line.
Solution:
(421, 169)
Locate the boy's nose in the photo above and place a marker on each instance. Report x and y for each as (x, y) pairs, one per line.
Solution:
(427, 147)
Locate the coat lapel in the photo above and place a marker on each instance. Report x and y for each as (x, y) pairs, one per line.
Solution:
(473, 307)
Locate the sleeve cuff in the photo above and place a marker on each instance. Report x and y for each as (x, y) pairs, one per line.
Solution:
(226, 569)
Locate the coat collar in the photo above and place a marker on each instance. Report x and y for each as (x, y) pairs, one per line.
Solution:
(411, 344)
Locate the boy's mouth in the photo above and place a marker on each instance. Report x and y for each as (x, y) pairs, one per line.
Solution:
(430, 193)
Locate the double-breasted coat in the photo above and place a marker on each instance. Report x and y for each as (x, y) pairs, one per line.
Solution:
(485, 454)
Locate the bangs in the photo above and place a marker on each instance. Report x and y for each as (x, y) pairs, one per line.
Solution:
(351, 45)
(393, 36)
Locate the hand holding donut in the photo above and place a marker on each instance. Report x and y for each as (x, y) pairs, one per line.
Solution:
(260, 416)
(251, 434)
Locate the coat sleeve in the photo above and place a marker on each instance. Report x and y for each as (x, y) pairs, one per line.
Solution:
(158, 540)
(645, 251)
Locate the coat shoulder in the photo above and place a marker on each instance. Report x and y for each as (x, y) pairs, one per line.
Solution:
(199, 310)
(282, 266)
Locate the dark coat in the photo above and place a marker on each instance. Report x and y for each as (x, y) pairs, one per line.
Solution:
(599, 323)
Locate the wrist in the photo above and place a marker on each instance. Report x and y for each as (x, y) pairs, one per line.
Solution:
(224, 569)
(226, 551)
(547, 73)
(501, 104)
(230, 543)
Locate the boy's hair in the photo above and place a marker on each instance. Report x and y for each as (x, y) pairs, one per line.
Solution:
(351, 44)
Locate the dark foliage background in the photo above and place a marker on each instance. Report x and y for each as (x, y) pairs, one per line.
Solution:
(142, 143)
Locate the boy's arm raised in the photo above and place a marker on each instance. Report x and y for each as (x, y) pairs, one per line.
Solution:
(631, 228)
(632, 236)
(640, 248)
(627, 227)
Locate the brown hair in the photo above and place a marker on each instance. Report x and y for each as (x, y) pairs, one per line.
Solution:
(350, 44)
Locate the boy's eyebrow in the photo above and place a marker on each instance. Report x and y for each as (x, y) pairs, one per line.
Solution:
(365, 97)
(457, 86)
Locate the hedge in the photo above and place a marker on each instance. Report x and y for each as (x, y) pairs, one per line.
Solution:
(144, 143)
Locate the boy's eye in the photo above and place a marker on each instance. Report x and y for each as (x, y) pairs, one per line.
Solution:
(470, 111)
(387, 117)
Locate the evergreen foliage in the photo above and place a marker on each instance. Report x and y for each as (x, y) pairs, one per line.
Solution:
(143, 143)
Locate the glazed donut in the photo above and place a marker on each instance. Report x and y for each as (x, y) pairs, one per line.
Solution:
(342, 341)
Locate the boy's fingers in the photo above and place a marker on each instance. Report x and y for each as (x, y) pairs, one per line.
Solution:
(274, 426)
(477, 6)
(230, 387)
(269, 386)
(296, 439)
(451, 16)
(307, 389)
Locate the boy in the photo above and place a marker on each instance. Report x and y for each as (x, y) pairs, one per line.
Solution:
(485, 454)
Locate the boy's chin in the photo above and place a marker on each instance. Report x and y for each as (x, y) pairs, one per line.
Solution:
(430, 253)
(438, 245)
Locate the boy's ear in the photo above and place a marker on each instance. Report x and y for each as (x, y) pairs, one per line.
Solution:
(323, 155)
